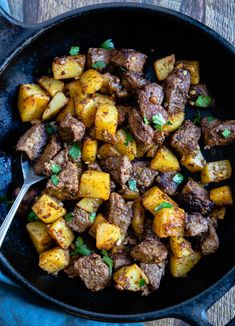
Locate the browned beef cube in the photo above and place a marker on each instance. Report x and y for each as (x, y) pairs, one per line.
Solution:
(141, 131)
(68, 183)
(176, 89)
(143, 174)
(98, 54)
(210, 243)
(52, 148)
(111, 84)
(93, 271)
(185, 139)
(198, 90)
(71, 130)
(60, 159)
(80, 221)
(120, 260)
(196, 224)
(195, 198)
(217, 132)
(119, 212)
(134, 80)
(148, 233)
(119, 167)
(165, 182)
(123, 113)
(94, 167)
(129, 59)
(150, 251)
(71, 271)
(154, 272)
(33, 141)
(159, 137)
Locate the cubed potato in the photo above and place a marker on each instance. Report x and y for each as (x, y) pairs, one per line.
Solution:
(101, 99)
(39, 235)
(129, 194)
(70, 66)
(107, 150)
(89, 150)
(164, 66)
(138, 217)
(222, 196)
(51, 85)
(154, 197)
(95, 184)
(175, 121)
(124, 145)
(216, 171)
(48, 209)
(107, 235)
(192, 67)
(90, 205)
(194, 161)
(152, 151)
(179, 267)
(141, 149)
(169, 222)
(180, 247)
(61, 233)
(85, 110)
(55, 105)
(69, 108)
(218, 213)
(54, 260)
(91, 81)
(130, 278)
(165, 161)
(106, 121)
(98, 220)
(75, 90)
(32, 101)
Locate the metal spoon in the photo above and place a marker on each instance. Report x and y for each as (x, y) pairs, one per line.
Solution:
(29, 179)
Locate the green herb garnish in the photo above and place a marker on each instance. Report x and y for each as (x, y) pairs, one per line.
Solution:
(55, 168)
(226, 133)
(162, 205)
(50, 129)
(129, 138)
(92, 217)
(75, 151)
(197, 118)
(132, 185)
(107, 260)
(99, 65)
(142, 282)
(210, 118)
(74, 50)
(55, 179)
(203, 101)
(68, 217)
(108, 45)
(32, 217)
(178, 178)
(169, 123)
(80, 248)
(146, 120)
(158, 121)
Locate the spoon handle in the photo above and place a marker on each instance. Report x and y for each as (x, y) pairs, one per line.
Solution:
(8, 219)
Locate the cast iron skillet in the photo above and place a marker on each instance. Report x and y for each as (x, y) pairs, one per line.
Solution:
(26, 52)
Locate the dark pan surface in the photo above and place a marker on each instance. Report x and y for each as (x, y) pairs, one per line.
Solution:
(157, 33)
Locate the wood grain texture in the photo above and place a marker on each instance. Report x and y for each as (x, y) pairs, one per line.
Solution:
(218, 15)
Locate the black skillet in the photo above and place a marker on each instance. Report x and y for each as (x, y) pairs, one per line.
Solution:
(26, 52)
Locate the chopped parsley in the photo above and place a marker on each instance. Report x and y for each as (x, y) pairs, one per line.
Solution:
(32, 217)
(75, 151)
(142, 282)
(50, 129)
(169, 123)
(92, 217)
(178, 178)
(197, 118)
(107, 260)
(226, 133)
(210, 118)
(146, 120)
(80, 248)
(108, 44)
(99, 65)
(55, 168)
(74, 50)
(68, 217)
(132, 185)
(55, 179)
(203, 101)
(129, 138)
(158, 121)
(162, 205)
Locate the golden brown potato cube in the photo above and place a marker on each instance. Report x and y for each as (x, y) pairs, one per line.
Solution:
(95, 184)
(154, 197)
(218, 213)
(61, 233)
(129, 194)
(107, 150)
(89, 150)
(175, 121)
(169, 222)
(130, 278)
(101, 99)
(48, 209)
(164, 66)
(55, 105)
(98, 220)
(124, 145)
(165, 161)
(69, 108)
(106, 121)
(54, 260)
(138, 217)
(141, 149)
(86, 110)
(39, 235)
(107, 235)
(91, 81)
(51, 85)
(90, 205)
(192, 67)
(70, 66)
(194, 161)
(152, 151)
(179, 267)
(74, 90)
(32, 101)
(216, 171)
(221, 196)
(180, 247)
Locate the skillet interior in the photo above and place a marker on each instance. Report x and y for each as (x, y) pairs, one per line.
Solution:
(133, 28)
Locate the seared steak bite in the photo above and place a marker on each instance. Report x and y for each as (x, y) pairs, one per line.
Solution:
(71, 271)
(129, 59)
(141, 131)
(111, 84)
(33, 141)
(71, 130)
(98, 54)
(119, 260)
(59, 159)
(119, 167)
(198, 90)
(123, 113)
(158, 137)
(196, 224)
(133, 80)
(80, 220)
(165, 181)
(143, 174)
(210, 242)
(176, 89)
(154, 272)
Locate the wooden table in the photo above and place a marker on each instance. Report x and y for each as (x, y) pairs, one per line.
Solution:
(217, 14)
